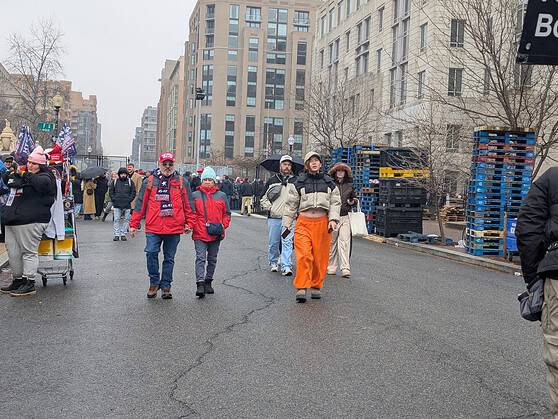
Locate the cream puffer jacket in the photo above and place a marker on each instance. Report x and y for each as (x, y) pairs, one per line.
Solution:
(312, 192)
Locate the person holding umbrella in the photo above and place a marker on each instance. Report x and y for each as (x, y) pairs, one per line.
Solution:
(280, 249)
(315, 198)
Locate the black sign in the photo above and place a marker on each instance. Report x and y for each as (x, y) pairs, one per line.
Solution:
(200, 95)
(539, 39)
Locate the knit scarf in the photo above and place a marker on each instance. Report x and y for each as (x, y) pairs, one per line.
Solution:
(163, 194)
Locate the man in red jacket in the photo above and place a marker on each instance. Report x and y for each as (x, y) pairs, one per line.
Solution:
(164, 202)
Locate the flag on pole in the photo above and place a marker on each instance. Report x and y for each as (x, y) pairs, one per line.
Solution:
(67, 142)
(24, 146)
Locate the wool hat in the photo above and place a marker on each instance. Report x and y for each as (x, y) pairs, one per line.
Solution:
(311, 154)
(209, 173)
(37, 156)
(122, 170)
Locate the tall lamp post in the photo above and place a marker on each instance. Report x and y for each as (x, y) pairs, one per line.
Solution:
(200, 95)
(89, 150)
(57, 102)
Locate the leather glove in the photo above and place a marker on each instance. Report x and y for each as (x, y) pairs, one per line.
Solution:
(531, 301)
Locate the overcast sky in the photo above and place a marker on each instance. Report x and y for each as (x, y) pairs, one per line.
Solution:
(115, 49)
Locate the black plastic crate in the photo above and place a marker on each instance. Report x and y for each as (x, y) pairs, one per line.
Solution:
(392, 229)
(402, 158)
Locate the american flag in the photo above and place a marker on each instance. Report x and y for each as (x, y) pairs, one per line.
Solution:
(24, 146)
(66, 141)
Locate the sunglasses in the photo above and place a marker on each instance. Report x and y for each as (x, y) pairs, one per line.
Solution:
(168, 164)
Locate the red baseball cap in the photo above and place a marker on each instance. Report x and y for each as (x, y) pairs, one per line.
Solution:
(199, 169)
(166, 156)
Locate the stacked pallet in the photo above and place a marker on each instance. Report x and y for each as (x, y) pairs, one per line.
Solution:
(366, 171)
(453, 213)
(501, 170)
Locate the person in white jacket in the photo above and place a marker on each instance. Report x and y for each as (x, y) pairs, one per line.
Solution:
(280, 249)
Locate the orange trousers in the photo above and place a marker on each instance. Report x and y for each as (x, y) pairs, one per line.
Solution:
(311, 245)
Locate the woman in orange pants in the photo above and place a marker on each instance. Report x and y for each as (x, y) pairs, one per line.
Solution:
(314, 200)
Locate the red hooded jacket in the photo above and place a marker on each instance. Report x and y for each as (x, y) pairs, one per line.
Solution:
(147, 207)
(217, 208)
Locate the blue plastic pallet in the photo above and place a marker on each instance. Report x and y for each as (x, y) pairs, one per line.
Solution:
(484, 252)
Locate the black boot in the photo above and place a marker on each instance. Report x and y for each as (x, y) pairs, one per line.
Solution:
(28, 288)
(16, 283)
(200, 290)
(208, 288)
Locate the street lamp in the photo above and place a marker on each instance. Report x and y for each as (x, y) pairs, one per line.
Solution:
(291, 142)
(200, 96)
(89, 150)
(57, 102)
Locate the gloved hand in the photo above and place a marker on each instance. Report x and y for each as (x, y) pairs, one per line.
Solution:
(531, 301)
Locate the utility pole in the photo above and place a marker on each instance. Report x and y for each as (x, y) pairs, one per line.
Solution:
(200, 95)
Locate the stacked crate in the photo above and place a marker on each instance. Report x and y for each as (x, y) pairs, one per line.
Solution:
(501, 170)
(400, 197)
(366, 171)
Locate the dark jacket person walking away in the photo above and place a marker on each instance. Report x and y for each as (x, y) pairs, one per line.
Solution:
(209, 221)
(122, 192)
(100, 194)
(26, 216)
(164, 202)
(537, 240)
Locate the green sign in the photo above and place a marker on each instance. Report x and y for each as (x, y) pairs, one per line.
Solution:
(45, 126)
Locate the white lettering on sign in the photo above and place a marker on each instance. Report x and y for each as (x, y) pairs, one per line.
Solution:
(544, 25)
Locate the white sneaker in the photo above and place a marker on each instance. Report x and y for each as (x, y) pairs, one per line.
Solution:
(287, 272)
(345, 273)
(331, 272)
(301, 295)
(315, 293)
(274, 267)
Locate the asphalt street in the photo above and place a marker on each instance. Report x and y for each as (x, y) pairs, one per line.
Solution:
(408, 336)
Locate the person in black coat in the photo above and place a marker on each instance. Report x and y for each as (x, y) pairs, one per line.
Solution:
(227, 188)
(537, 241)
(247, 194)
(100, 193)
(122, 192)
(75, 178)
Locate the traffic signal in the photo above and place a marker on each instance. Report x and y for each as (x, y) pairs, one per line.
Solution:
(200, 95)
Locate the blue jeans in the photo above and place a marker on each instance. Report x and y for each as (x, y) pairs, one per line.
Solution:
(152, 248)
(278, 246)
(121, 221)
(77, 209)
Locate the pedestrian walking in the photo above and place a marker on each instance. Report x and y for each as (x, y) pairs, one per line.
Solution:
(75, 178)
(26, 217)
(136, 179)
(164, 202)
(89, 209)
(280, 249)
(315, 197)
(122, 192)
(340, 249)
(209, 220)
(227, 188)
(247, 194)
(100, 195)
(537, 241)
(195, 182)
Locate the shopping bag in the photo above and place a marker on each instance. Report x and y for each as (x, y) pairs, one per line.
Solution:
(358, 222)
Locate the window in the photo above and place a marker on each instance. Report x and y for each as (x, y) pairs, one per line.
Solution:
(331, 19)
(394, 44)
(396, 10)
(455, 82)
(421, 77)
(405, 40)
(274, 88)
(322, 26)
(336, 50)
(209, 27)
(301, 21)
(205, 135)
(339, 11)
(208, 54)
(392, 86)
(403, 83)
(298, 131)
(322, 58)
(231, 85)
(381, 19)
(453, 134)
(299, 92)
(457, 33)
(387, 138)
(210, 11)
(253, 16)
(398, 138)
(253, 46)
(207, 84)
(209, 41)
(361, 64)
(347, 40)
(232, 54)
(301, 53)
(249, 135)
(234, 13)
(277, 36)
(486, 84)
(229, 136)
(522, 76)
(423, 36)
(252, 86)
(273, 134)
(348, 8)
(378, 60)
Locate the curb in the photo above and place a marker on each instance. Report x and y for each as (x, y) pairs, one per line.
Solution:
(449, 254)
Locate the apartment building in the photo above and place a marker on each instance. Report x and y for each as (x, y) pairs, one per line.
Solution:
(253, 61)
(144, 146)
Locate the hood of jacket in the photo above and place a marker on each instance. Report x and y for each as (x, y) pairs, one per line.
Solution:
(341, 166)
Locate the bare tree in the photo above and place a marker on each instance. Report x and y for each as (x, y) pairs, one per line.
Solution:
(339, 114)
(481, 38)
(34, 64)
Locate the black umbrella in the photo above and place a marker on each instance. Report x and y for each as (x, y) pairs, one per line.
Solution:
(272, 164)
(93, 172)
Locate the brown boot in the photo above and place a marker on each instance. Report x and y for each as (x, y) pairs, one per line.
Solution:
(166, 294)
(152, 291)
